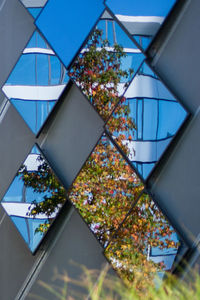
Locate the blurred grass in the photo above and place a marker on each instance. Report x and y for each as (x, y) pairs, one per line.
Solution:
(95, 285)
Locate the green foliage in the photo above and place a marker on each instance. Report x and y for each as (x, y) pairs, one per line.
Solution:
(106, 188)
(44, 182)
(98, 72)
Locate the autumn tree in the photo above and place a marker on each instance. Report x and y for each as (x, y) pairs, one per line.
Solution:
(106, 188)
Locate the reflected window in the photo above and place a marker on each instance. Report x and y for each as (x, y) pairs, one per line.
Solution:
(34, 199)
(36, 82)
(155, 115)
(141, 18)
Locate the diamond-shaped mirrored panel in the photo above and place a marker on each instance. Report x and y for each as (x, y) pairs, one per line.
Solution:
(34, 6)
(149, 117)
(106, 65)
(34, 12)
(36, 82)
(141, 18)
(34, 199)
(66, 25)
(105, 190)
(145, 246)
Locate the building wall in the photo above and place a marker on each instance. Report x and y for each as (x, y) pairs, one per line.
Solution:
(174, 183)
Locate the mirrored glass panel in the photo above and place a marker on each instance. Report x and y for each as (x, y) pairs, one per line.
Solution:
(149, 117)
(105, 190)
(67, 25)
(146, 245)
(141, 18)
(34, 199)
(106, 65)
(36, 82)
(34, 6)
(35, 11)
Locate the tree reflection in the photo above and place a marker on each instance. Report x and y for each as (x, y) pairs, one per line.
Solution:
(106, 188)
(43, 182)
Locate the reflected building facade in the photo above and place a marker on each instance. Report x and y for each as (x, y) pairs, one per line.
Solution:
(156, 112)
(38, 80)
(33, 87)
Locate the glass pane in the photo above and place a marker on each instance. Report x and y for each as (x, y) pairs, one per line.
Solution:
(67, 26)
(39, 111)
(142, 18)
(105, 190)
(145, 246)
(36, 82)
(35, 11)
(106, 65)
(150, 116)
(34, 199)
(34, 6)
(37, 41)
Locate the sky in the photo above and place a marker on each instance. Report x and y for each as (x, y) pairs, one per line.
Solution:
(66, 26)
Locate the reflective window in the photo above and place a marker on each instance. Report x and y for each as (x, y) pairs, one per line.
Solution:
(145, 246)
(39, 111)
(105, 65)
(103, 56)
(105, 190)
(37, 41)
(34, 11)
(142, 18)
(151, 116)
(34, 199)
(66, 26)
(36, 82)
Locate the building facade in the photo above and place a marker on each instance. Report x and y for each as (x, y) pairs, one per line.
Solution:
(42, 106)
